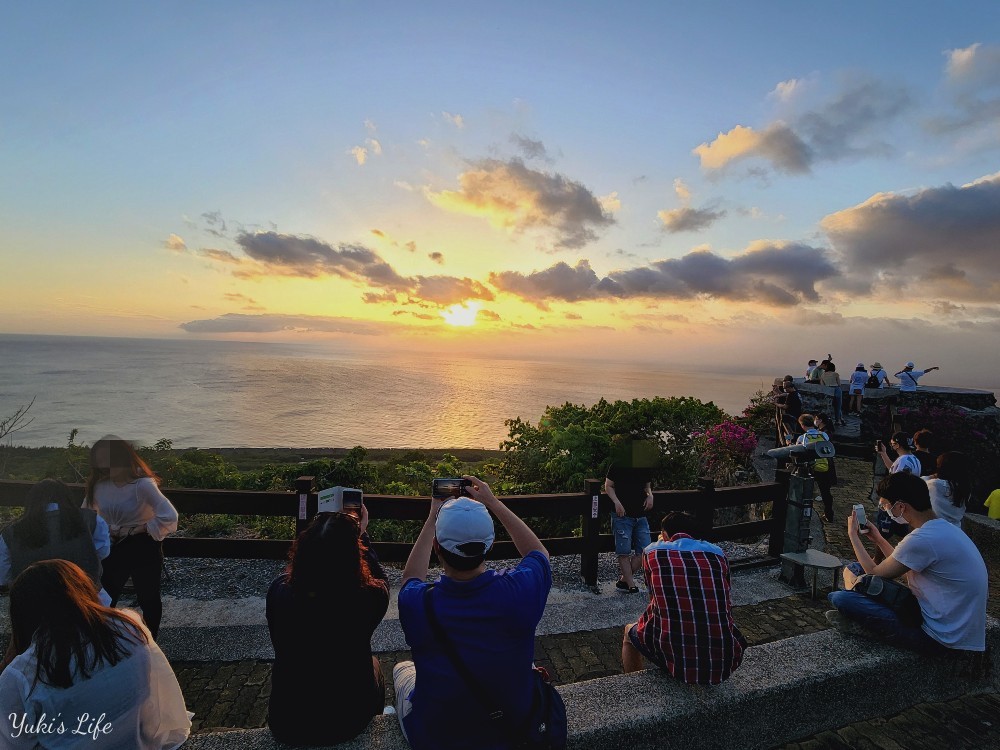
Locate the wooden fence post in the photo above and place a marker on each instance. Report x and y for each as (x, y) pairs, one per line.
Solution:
(590, 527)
(308, 503)
(705, 512)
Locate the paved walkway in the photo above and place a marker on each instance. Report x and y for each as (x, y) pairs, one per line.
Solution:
(226, 694)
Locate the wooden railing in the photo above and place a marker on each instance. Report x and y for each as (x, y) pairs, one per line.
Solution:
(591, 506)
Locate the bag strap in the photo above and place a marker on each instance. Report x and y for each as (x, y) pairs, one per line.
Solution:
(495, 714)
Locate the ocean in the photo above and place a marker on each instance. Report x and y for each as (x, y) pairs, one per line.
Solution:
(234, 394)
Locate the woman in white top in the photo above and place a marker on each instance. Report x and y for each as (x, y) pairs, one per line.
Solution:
(950, 487)
(125, 492)
(80, 675)
(857, 388)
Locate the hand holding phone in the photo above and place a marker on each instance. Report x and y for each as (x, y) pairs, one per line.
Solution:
(859, 515)
(446, 489)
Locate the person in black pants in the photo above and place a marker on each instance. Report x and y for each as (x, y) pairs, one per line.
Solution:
(125, 493)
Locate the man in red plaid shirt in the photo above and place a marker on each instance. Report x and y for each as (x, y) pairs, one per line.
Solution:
(688, 627)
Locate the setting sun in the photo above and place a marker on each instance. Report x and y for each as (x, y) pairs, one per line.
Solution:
(461, 314)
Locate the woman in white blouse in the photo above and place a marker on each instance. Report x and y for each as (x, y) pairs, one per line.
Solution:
(125, 493)
(80, 675)
(950, 487)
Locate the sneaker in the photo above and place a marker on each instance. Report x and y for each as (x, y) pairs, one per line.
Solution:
(634, 590)
(846, 625)
(621, 585)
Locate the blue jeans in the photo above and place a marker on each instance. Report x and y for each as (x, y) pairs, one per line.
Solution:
(882, 620)
(631, 534)
(838, 402)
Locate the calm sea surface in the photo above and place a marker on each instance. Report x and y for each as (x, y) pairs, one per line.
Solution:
(230, 394)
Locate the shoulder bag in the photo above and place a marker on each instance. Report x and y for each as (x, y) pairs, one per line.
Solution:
(545, 727)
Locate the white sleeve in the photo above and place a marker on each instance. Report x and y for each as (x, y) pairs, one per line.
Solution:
(13, 689)
(164, 721)
(164, 520)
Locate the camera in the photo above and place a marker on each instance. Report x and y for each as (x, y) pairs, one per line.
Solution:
(443, 489)
(340, 500)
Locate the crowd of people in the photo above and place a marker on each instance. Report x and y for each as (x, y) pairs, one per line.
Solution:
(471, 681)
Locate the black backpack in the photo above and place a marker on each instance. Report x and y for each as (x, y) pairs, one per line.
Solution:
(873, 381)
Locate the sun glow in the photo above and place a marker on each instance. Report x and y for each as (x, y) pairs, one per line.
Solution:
(461, 314)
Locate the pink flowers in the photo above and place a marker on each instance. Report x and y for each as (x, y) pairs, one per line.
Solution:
(725, 449)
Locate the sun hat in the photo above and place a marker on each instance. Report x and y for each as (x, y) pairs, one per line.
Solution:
(876, 365)
(464, 527)
(910, 364)
(861, 365)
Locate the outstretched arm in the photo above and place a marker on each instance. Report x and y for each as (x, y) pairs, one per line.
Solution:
(520, 533)
(420, 555)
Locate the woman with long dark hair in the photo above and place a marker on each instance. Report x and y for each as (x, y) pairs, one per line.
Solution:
(54, 527)
(126, 493)
(321, 613)
(951, 486)
(75, 665)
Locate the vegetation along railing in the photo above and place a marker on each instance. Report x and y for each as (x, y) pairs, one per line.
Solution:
(591, 505)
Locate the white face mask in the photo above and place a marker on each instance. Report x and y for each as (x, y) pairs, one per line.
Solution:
(895, 519)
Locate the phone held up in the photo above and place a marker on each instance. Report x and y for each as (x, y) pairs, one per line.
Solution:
(859, 513)
(352, 502)
(445, 489)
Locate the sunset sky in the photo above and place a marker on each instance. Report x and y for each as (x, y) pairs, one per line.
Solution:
(687, 182)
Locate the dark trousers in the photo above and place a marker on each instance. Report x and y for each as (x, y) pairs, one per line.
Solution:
(823, 482)
(140, 557)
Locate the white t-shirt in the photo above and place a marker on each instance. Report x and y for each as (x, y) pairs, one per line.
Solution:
(908, 380)
(858, 379)
(940, 490)
(948, 577)
(906, 462)
(139, 698)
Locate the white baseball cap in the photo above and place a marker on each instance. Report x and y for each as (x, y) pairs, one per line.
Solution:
(464, 527)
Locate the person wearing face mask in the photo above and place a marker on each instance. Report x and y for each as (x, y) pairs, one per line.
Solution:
(944, 570)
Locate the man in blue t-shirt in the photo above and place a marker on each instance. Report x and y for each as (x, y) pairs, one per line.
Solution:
(489, 615)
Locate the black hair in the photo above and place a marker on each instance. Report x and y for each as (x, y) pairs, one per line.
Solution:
(955, 468)
(33, 526)
(459, 562)
(902, 440)
(925, 439)
(678, 522)
(903, 487)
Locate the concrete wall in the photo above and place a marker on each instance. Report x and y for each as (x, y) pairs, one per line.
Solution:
(784, 690)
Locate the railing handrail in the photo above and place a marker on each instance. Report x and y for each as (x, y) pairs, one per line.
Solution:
(301, 504)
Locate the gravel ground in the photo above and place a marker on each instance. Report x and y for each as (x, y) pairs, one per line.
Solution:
(210, 578)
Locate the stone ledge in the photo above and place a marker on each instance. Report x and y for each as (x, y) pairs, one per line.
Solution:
(784, 690)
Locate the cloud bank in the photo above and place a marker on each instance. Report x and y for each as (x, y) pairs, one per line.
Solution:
(513, 196)
(943, 240)
(773, 273)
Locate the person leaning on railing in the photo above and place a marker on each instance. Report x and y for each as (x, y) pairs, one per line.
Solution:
(321, 613)
(125, 492)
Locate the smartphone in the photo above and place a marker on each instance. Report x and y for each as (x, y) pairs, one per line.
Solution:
(859, 513)
(352, 502)
(442, 489)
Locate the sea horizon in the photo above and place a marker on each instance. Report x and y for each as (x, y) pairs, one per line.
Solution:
(228, 394)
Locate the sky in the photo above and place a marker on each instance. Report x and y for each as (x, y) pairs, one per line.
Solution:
(689, 183)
